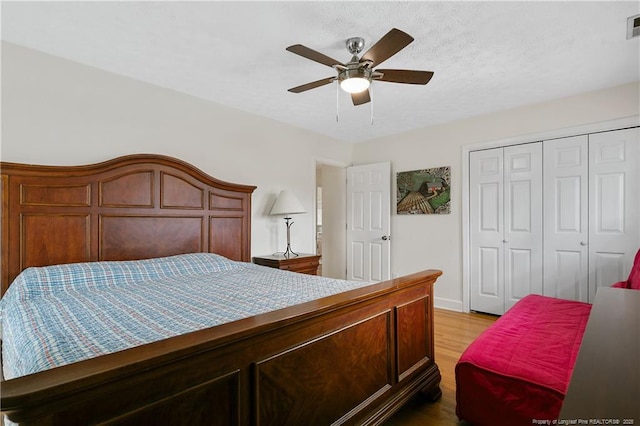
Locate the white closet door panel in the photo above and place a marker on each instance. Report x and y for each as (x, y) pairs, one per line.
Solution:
(518, 202)
(570, 269)
(486, 233)
(490, 197)
(523, 221)
(614, 213)
(568, 194)
(565, 207)
(521, 276)
(608, 268)
(489, 272)
(608, 196)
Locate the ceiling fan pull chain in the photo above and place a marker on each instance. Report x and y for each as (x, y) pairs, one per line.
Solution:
(371, 95)
(337, 101)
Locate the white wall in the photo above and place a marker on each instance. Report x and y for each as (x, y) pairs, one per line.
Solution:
(60, 112)
(435, 241)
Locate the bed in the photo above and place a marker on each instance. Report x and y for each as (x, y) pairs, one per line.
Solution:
(348, 357)
(518, 370)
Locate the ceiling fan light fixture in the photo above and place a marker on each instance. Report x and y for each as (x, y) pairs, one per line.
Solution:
(355, 84)
(354, 79)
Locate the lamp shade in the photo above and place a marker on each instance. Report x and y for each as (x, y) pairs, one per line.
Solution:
(286, 204)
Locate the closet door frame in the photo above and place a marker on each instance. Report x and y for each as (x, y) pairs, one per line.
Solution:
(536, 137)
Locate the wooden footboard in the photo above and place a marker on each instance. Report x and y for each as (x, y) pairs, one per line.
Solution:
(352, 358)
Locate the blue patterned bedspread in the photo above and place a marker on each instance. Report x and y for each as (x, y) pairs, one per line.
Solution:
(57, 315)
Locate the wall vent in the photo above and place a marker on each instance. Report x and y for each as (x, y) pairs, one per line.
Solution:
(633, 26)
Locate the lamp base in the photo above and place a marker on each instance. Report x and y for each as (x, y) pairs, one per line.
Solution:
(289, 252)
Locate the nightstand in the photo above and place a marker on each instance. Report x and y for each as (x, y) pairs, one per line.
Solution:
(303, 263)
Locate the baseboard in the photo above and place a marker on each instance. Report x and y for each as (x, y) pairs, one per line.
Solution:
(449, 304)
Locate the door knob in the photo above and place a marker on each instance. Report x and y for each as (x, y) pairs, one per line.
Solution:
(583, 243)
(386, 237)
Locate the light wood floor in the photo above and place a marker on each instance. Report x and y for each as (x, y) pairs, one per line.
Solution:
(454, 331)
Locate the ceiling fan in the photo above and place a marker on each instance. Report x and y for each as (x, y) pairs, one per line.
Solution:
(356, 75)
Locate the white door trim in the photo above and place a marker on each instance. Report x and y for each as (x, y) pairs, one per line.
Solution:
(551, 134)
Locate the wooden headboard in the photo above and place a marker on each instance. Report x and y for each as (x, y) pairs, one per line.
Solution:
(133, 207)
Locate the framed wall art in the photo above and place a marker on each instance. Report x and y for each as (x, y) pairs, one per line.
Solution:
(426, 191)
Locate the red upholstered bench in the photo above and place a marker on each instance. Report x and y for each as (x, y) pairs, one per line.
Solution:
(519, 369)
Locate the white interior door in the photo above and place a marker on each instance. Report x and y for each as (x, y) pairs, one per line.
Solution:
(566, 228)
(522, 221)
(486, 232)
(369, 222)
(614, 206)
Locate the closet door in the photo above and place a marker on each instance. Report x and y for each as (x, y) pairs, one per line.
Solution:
(522, 221)
(506, 228)
(486, 231)
(614, 206)
(565, 217)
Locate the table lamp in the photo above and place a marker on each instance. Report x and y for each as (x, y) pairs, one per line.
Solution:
(287, 204)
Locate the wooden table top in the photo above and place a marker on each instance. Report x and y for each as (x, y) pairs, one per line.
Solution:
(605, 385)
(280, 256)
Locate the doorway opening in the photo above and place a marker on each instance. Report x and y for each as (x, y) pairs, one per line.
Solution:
(330, 230)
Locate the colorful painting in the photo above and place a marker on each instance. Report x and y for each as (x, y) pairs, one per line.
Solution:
(425, 191)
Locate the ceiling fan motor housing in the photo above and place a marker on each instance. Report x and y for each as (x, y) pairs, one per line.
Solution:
(355, 70)
(355, 45)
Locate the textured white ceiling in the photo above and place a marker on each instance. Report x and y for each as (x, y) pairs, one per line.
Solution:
(487, 56)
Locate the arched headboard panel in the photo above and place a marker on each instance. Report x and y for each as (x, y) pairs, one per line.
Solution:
(133, 207)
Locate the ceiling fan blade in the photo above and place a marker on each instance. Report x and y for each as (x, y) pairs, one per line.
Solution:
(312, 85)
(361, 97)
(305, 52)
(405, 76)
(390, 44)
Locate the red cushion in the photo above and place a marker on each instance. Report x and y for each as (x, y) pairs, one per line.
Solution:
(519, 368)
(633, 282)
(634, 277)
